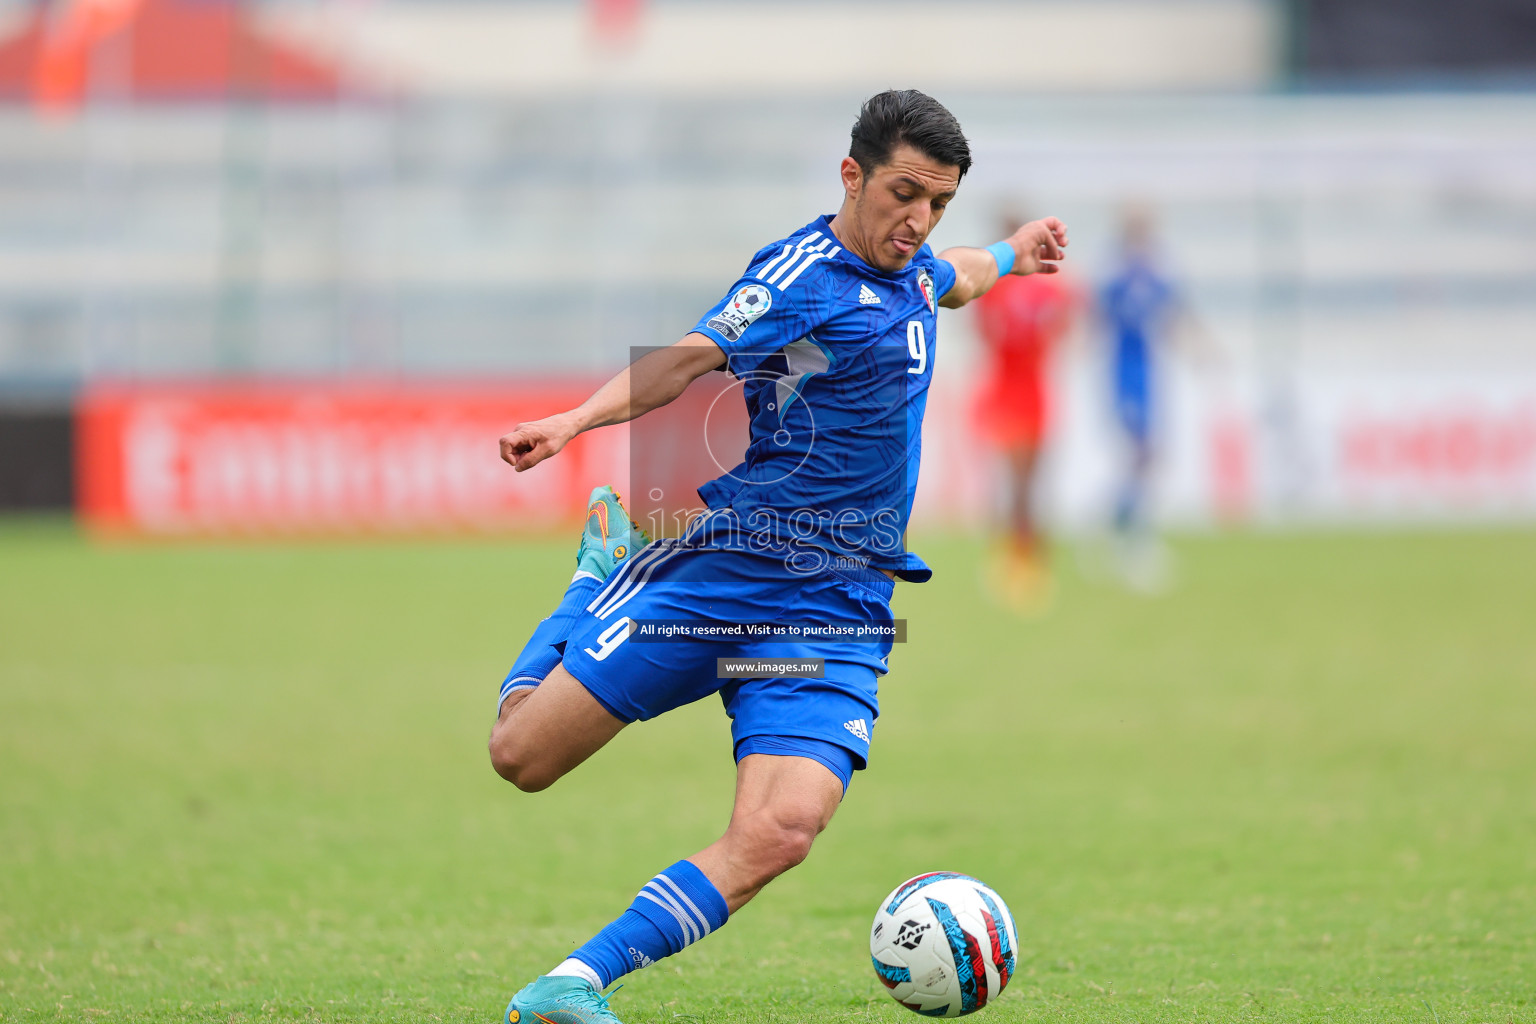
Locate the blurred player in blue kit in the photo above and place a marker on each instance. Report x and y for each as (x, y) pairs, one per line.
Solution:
(831, 333)
(1141, 309)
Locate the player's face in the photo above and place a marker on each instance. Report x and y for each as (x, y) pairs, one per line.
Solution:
(897, 204)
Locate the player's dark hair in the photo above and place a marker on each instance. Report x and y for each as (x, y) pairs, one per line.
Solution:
(899, 116)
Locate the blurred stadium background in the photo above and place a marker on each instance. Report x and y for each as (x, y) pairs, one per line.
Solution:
(249, 248)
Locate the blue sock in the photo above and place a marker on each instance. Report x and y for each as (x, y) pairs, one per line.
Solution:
(547, 645)
(675, 909)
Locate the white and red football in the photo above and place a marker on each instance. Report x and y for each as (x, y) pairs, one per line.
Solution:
(944, 944)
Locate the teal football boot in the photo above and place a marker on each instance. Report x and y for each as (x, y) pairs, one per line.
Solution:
(610, 538)
(547, 1000)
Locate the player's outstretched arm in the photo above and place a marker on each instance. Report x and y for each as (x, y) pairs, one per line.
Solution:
(1036, 248)
(649, 382)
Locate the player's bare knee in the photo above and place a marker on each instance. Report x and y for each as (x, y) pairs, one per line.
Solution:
(794, 844)
(530, 778)
(778, 841)
(790, 844)
(518, 764)
(503, 759)
(534, 779)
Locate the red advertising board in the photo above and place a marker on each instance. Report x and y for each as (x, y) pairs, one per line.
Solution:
(291, 458)
(264, 459)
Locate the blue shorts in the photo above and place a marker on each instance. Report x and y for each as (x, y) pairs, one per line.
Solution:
(636, 678)
(1133, 409)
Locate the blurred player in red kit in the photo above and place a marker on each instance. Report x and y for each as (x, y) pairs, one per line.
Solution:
(1021, 321)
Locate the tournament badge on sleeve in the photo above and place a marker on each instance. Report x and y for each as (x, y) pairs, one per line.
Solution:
(750, 302)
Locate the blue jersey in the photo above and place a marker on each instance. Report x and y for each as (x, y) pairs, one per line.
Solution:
(835, 357)
(1136, 302)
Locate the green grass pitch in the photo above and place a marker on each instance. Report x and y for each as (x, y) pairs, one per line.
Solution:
(246, 783)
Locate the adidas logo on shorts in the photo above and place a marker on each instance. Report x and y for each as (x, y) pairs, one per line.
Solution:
(858, 728)
(867, 297)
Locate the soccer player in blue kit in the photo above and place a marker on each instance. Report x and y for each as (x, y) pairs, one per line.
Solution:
(1140, 307)
(831, 332)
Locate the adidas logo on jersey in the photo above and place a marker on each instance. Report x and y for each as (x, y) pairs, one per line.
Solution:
(867, 297)
(858, 728)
